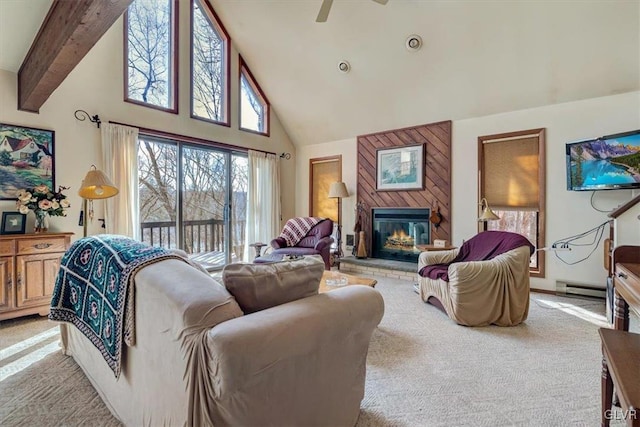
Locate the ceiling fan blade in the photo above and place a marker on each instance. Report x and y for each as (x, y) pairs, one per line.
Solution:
(324, 11)
(382, 2)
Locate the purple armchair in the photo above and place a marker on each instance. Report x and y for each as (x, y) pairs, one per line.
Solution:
(317, 242)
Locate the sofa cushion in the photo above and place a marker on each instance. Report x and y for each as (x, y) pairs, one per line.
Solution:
(260, 286)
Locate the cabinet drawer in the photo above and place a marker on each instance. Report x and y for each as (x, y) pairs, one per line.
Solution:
(42, 245)
(627, 284)
(7, 247)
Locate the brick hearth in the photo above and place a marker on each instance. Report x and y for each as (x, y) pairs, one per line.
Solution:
(380, 267)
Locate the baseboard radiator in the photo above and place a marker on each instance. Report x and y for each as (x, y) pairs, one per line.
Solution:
(580, 289)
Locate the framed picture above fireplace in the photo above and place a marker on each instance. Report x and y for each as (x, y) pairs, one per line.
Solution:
(400, 168)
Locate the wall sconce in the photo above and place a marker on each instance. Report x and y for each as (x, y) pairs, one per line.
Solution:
(95, 185)
(487, 214)
(83, 115)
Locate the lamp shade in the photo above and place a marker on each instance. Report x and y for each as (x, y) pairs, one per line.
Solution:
(96, 185)
(487, 213)
(338, 190)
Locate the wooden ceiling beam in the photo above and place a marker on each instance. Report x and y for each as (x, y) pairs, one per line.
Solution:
(70, 30)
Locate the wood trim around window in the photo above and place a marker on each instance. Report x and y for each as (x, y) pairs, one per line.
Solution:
(542, 174)
(155, 133)
(175, 51)
(258, 91)
(313, 161)
(227, 64)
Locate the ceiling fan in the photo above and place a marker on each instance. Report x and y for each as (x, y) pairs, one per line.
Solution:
(326, 7)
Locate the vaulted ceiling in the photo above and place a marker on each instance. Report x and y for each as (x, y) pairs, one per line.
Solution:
(478, 58)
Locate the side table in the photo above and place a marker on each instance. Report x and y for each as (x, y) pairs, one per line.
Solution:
(620, 367)
(258, 247)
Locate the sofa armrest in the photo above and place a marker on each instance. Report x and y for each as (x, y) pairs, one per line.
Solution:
(436, 257)
(511, 266)
(323, 243)
(292, 354)
(278, 243)
(190, 298)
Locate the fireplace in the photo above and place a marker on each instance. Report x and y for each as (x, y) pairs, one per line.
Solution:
(397, 231)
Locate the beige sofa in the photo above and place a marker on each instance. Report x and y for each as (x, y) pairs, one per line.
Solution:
(297, 364)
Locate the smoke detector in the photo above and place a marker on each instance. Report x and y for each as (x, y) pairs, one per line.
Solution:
(344, 66)
(413, 43)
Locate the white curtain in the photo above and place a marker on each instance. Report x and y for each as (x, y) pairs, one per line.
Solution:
(120, 157)
(263, 201)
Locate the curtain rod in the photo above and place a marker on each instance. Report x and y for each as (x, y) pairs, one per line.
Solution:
(161, 133)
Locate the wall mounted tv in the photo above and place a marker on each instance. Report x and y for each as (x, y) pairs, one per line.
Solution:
(608, 163)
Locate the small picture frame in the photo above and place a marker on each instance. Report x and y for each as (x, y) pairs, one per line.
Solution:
(13, 223)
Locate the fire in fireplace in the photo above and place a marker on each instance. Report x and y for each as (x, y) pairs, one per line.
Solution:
(397, 231)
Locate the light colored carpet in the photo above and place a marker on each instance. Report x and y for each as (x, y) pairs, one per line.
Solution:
(423, 370)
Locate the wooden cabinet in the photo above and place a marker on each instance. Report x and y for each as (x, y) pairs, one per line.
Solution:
(29, 265)
(6, 284)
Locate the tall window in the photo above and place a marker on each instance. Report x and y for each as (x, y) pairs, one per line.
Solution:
(209, 65)
(512, 179)
(254, 106)
(150, 54)
(193, 197)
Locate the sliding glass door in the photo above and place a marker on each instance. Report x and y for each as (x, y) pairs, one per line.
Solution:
(193, 198)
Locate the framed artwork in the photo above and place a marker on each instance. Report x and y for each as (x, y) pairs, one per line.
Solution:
(13, 223)
(400, 168)
(26, 159)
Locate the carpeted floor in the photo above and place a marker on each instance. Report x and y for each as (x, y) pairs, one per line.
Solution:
(423, 370)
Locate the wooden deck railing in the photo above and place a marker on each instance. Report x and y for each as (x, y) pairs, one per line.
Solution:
(206, 235)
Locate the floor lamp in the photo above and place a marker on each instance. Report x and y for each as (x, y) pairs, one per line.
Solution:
(95, 185)
(338, 190)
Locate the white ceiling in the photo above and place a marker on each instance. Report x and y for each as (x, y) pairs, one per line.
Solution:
(21, 20)
(479, 57)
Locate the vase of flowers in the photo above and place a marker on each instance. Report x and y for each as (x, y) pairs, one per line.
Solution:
(44, 203)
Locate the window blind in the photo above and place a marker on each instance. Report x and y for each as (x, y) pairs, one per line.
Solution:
(511, 169)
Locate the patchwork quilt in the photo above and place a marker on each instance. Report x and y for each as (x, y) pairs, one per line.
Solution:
(94, 290)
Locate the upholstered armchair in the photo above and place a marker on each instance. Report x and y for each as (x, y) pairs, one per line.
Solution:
(316, 242)
(485, 281)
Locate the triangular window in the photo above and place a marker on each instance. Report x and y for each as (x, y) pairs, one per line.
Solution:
(254, 106)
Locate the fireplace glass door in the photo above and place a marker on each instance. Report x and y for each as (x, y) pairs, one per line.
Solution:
(397, 232)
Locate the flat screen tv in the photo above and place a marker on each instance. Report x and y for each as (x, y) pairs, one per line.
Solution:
(608, 163)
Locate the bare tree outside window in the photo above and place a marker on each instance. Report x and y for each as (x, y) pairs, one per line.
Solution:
(518, 221)
(251, 107)
(208, 79)
(149, 59)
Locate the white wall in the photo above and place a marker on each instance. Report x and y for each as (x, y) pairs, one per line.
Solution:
(96, 85)
(568, 212)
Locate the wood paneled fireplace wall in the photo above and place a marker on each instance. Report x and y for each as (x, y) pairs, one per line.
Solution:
(436, 138)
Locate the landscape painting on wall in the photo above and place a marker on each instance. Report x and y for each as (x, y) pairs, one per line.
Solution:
(400, 168)
(26, 159)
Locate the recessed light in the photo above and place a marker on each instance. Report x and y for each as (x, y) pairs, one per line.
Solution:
(344, 66)
(413, 43)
